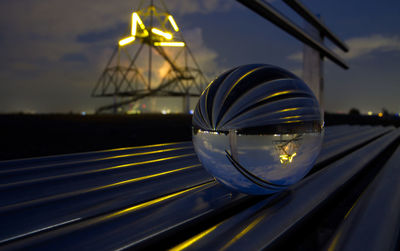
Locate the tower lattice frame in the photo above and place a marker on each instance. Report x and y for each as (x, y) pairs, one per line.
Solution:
(154, 27)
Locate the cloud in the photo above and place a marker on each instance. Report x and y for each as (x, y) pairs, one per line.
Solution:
(362, 46)
(204, 56)
(298, 56)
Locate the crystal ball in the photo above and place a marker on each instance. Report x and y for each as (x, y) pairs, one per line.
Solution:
(257, 129)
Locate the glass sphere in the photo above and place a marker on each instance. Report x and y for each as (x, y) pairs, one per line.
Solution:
(257, 129)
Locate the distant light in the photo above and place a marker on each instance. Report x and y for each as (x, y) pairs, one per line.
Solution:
(380, 114)
(136, 20)
(133, 111)
(191, 111)
(134, 23)
(28, 112)
(161, 33)
(173, 44)
(398, 114)
(286, 158)
(172, 21)
(83, 113)
(144, 32)
(144, 106)
(126, 41)
(369, 113)
(140, 22)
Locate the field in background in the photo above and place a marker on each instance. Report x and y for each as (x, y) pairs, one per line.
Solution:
(24, 136)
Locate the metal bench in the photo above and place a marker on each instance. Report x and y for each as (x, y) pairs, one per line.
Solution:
(160, 197)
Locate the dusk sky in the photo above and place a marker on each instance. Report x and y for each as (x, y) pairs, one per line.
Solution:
(52, 51)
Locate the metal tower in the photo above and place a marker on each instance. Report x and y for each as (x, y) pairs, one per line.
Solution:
(124, 77)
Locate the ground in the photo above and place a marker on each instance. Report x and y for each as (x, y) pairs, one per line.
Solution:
(24, 136)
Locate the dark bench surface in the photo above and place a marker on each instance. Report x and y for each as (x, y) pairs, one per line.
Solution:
(160, 197)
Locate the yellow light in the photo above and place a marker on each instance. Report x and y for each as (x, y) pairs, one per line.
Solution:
(243, 232)
(161, 33)
(115, 167)
(139, 21)
(291, 157)
(126, 41)
(172, 21)
(334, 242)
(289, 109)
(351, 209)
(144, 177)
(380, 114)
(291, 117)
(172, 44)
(145, 153)
(139, 147)
(293, 121)
(136, 20)
(155, 201)
(68, 194)
(369, 113)
(195, 238)
(286, 158)
(276, 94)
(141, 163)
(240, 79)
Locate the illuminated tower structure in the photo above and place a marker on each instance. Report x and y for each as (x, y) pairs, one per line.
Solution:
(130, 75)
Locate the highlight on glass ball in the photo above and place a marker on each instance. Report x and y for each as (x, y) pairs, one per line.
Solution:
(257, 129)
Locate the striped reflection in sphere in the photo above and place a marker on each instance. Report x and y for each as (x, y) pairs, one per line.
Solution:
(257, 129)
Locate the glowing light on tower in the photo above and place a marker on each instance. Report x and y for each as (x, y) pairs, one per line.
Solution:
(136, 20)
(173, 23)
(161, 35)
(171, 44)
(126, 41)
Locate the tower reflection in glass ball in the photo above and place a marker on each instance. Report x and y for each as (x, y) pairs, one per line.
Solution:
(257, 129)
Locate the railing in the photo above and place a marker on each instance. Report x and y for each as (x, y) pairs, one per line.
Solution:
(266, 10)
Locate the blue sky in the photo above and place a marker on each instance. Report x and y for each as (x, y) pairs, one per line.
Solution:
(52, 51)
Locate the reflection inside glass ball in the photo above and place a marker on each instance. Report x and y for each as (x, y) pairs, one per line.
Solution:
(257, 164)
(257, 129)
